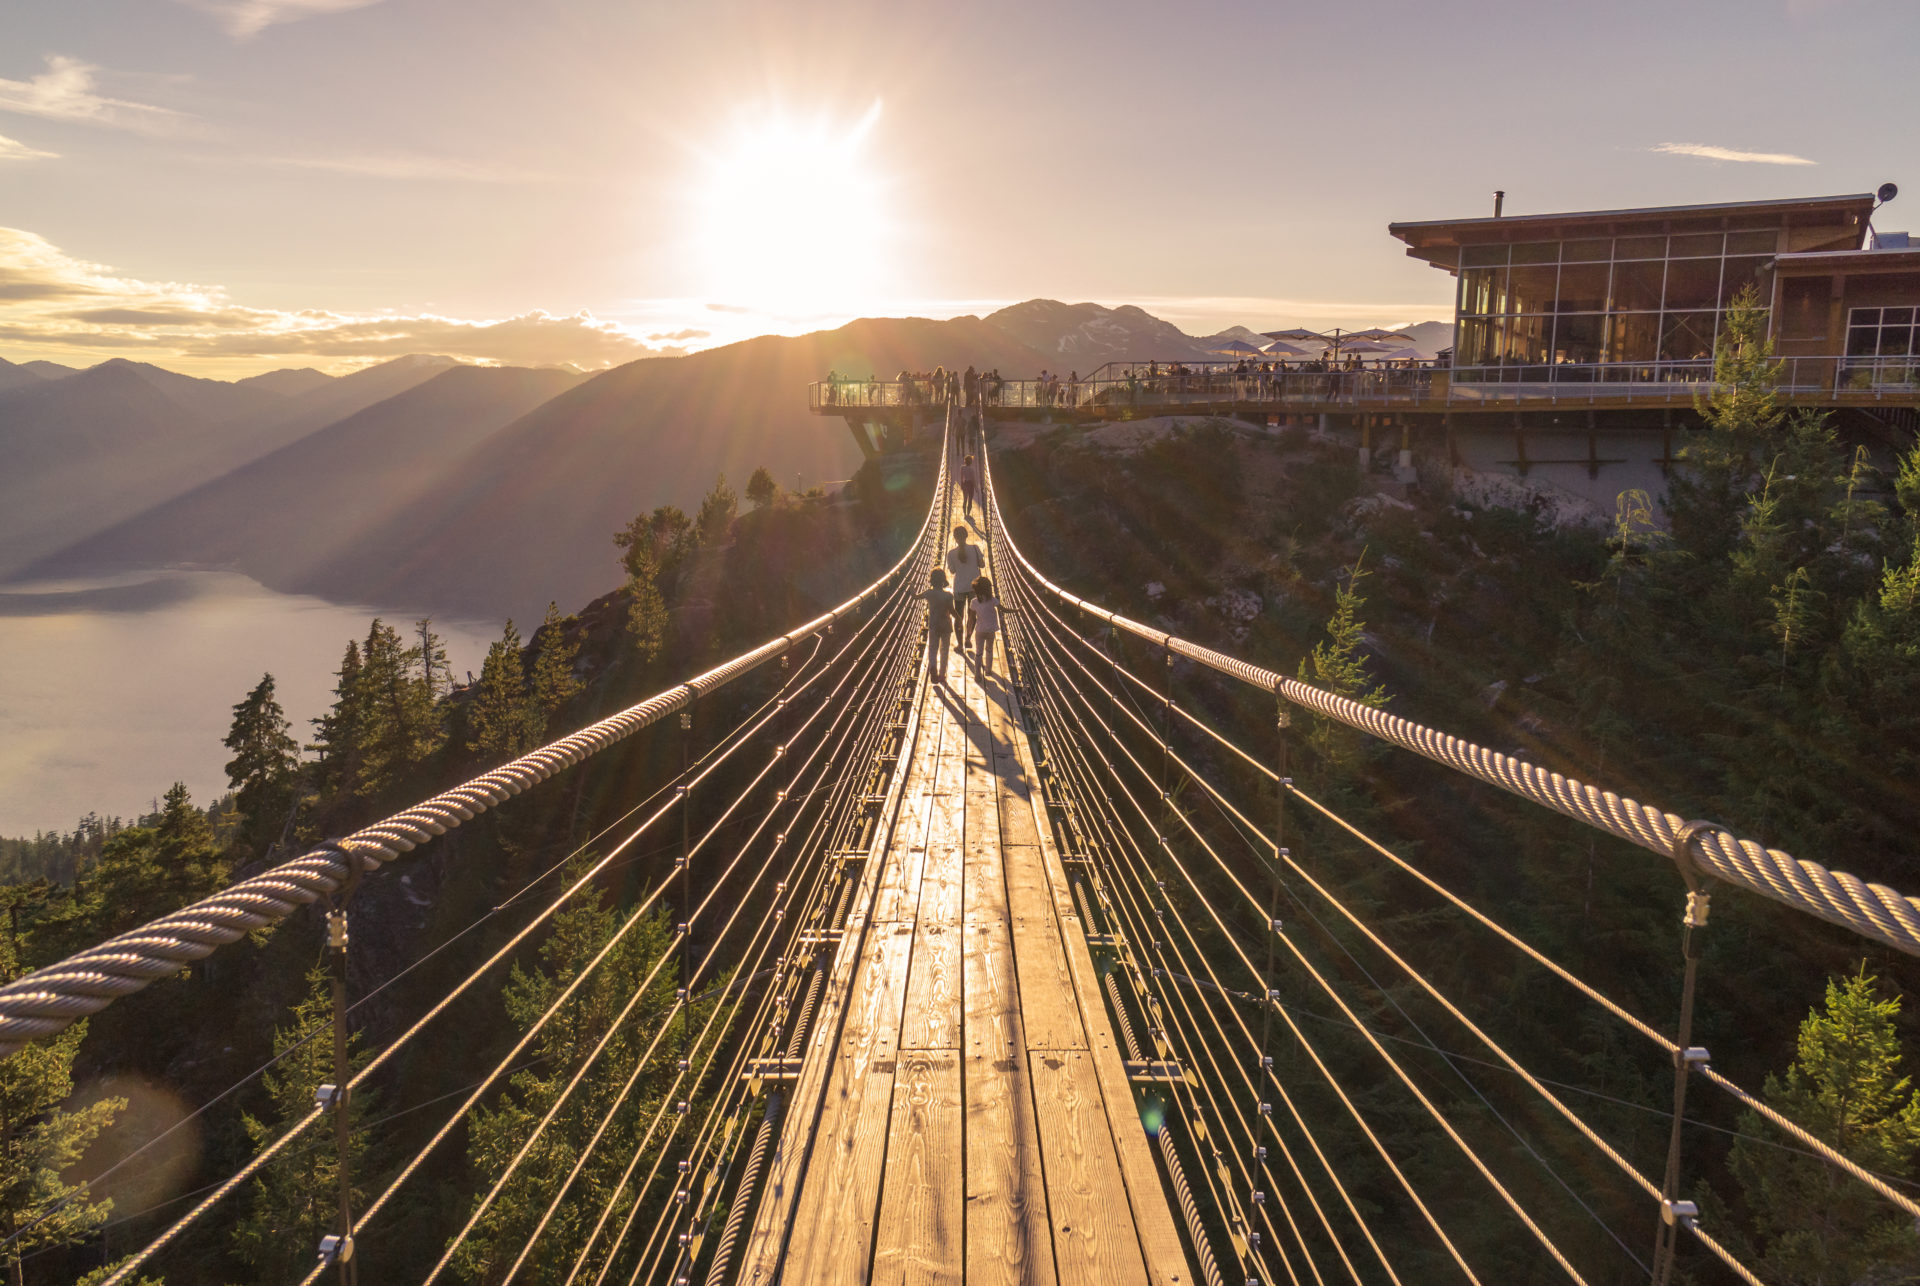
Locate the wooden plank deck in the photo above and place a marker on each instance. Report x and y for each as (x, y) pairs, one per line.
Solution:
(966, 1117)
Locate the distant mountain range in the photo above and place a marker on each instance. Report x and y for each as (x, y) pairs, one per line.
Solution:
(468, 491)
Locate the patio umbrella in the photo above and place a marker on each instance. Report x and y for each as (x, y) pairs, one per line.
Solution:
(1364, 346)
(1298, 332)
(1380, 336)
(1236, 348)
(1279, 349)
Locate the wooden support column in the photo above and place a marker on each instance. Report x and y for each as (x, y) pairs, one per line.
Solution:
(1520, 444)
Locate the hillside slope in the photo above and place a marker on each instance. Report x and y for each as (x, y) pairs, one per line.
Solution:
(285, 514)
(528, 515)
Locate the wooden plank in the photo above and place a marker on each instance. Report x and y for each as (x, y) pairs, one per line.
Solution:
(922, 1207)
(1049, 1015)
(1093, 1236)
(1007, 1220)
(933, 989)
(831, 1236)
(1158, 1238)
(767, 1244)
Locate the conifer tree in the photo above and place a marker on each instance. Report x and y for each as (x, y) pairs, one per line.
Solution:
(646, 611)
(500, 720)
(1706, 498)
(553, 681)
(40, 1140)
(295, 1197)
(435, 673)
(400, 726)
(1339, 665)
(717, 512)
(338, 732)
(761, 488)
(1815, 1224)
(265, 760)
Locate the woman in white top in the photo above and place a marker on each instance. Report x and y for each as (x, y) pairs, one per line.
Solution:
(964, 561)
(986, 621)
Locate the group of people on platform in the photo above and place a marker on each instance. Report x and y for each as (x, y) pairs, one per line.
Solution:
(936, 388)
(1243, 381)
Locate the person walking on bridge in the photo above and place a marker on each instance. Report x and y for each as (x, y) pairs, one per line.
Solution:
(940, 605)
(968, 480)
(965, 561)
(970, 385)
(986, 622)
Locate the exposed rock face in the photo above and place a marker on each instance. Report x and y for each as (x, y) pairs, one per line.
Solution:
(1552, 506)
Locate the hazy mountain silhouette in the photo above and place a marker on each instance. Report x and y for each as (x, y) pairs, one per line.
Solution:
(98, 446)
(471, 491)
(293, 510)
(20, 374)
(290, 382)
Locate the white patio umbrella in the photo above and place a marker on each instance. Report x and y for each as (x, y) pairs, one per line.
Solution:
(1280, 348)
(1236, 348)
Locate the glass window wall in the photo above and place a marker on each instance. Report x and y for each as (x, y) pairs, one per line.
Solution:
(1636, 300)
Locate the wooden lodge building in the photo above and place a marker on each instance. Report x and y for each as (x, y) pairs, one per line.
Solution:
(1582, 342)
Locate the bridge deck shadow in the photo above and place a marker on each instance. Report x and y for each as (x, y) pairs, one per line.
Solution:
(963, 1112)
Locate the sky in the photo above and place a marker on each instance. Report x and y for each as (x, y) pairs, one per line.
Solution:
(229, 186)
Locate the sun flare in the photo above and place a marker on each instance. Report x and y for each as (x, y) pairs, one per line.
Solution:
(791, 217)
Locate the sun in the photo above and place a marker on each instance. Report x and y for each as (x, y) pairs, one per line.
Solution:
(791, 217)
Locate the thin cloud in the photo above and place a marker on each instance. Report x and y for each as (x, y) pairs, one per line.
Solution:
(409, 165)
(65, 92)
(50, 300)
(245, 19)
(13, 150)
(1707, 151)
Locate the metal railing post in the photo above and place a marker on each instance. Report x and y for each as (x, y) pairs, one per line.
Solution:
(337, 1249)
(1673, 1212)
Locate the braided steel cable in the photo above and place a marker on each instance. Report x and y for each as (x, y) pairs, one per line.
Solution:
(768, 1006)
(1220, 924)
(48, 1000)
(1140, 881)
(1818, 1146)
(1871, 910)
(844, 803)
(1109, 820)
(1393, 1064)
(1439, 997)
(553, 1110)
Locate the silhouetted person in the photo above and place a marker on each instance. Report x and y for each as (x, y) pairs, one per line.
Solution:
(940, 615)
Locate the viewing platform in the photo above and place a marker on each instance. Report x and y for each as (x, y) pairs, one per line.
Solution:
(1121, 390)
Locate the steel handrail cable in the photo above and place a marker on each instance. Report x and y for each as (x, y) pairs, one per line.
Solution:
(540, 1023)
(1488, 922)
(847, 712)
(1280, 1089)
(708, 1147)
(49, 999)
(1332, 1080)
(1821, 1148)
(127, 1267)
(632, 921)
(1439, 1118)
(1073, 759)
(1136, 927)
(1130, 915)
(1572, 1117)
(1292, 1109)
(640, 1193)
(417, 963)
(1872, 910)
(640, 1064)
(1279, 1139)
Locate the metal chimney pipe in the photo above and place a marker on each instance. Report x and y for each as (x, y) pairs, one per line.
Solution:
(1499, 199)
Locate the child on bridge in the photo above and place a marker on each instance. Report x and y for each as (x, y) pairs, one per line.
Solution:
(939, 600)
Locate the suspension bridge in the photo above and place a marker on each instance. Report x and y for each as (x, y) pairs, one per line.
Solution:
(1015, 977)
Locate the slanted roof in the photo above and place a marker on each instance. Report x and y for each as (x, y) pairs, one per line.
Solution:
(1816, 262)
(1437, 241)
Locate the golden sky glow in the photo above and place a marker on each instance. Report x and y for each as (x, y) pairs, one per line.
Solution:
(225, 186)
